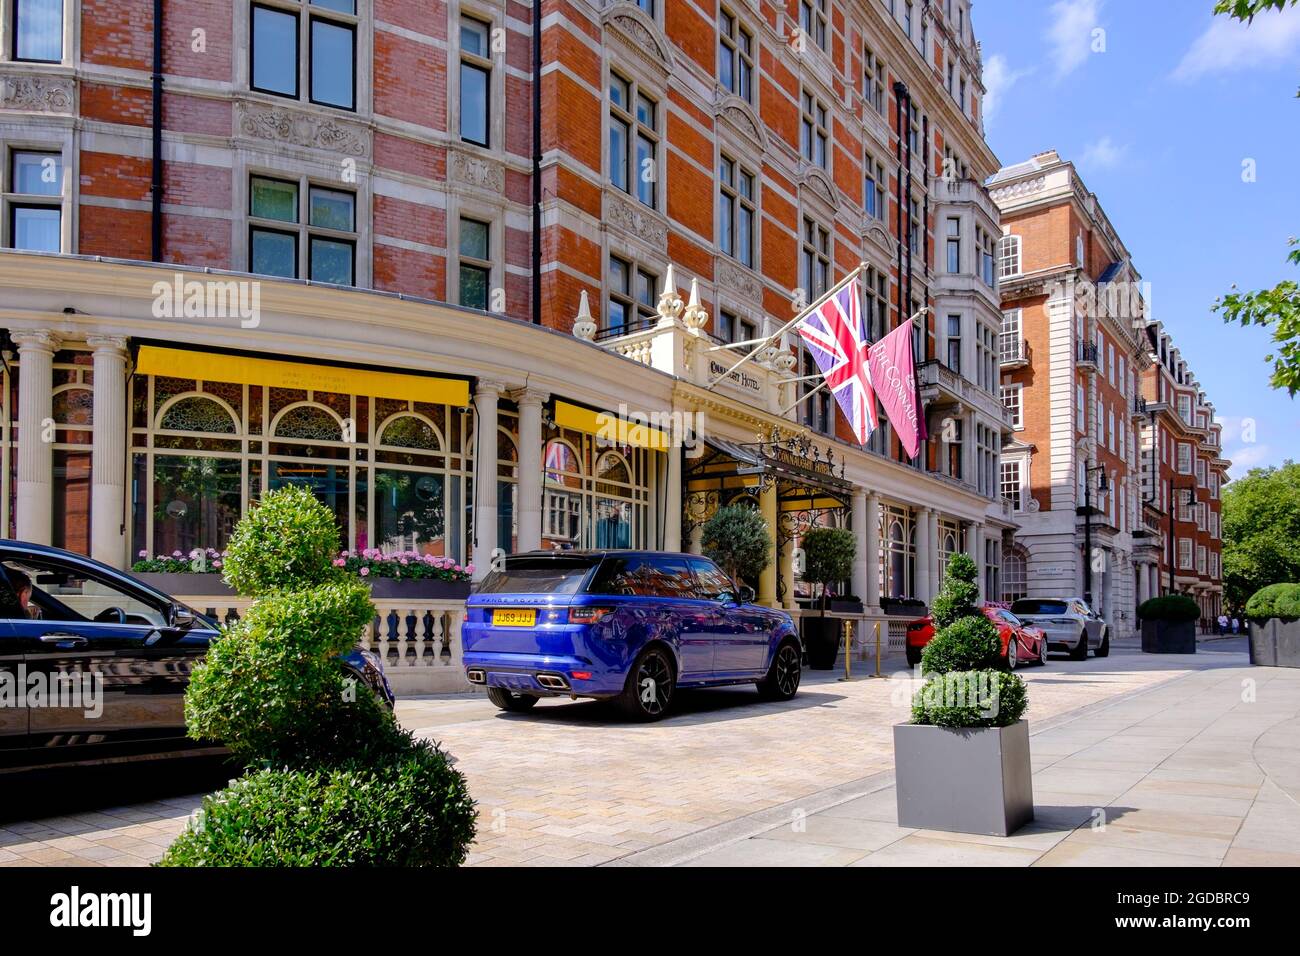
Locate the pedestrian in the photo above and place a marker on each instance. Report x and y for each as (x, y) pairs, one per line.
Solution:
(1235, 625)
(1223, 624)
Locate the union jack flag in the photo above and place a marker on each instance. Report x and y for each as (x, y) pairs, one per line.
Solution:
(833, 331)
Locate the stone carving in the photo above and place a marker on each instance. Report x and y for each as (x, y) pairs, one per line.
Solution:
(476, 171)
(742, 280)
(1024, 188)
(294, 128)
(821, 186)
(36, 94)
(648, 43)
(636, 219)
(737, 114)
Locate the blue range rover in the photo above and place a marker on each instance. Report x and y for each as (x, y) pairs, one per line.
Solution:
(632, 626)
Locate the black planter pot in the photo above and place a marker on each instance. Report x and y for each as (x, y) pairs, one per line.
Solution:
(844, 605)
(1168, 637)
(821, 636)
(418, 589)
(187, 583)
(1275, 643)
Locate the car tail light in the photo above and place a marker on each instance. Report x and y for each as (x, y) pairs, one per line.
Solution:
(581, 675)
(917, 626)
(588, 614)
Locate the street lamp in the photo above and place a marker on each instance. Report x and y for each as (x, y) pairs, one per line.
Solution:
(1173, 508)
(1102, 488)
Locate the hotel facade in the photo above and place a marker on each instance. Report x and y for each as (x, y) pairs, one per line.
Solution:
(429, 259)
(1106, 413)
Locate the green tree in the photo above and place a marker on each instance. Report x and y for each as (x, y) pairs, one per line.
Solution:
(828, 557)
(1261, 531)
(1278, 307)
(736, 537)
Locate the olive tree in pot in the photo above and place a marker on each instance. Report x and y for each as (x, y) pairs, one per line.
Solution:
(1274, 615)
(1169, 624)
(962, 763)
(828, 559)
(330, 778)
(736, 537)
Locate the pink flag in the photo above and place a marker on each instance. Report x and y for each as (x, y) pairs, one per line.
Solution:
(893, 373)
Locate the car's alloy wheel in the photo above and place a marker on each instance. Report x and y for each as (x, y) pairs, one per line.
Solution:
(782, 681)
(649, 689)
(1011, 653)
(1042, 652)
(508, 700)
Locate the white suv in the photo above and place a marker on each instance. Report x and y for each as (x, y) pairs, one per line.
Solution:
(1069, 623)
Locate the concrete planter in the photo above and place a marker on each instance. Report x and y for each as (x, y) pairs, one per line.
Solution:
(1275, 643)
(1168, 637)
(418, 589)
(964, 780)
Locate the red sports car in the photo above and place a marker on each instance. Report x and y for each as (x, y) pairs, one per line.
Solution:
(1020, 642)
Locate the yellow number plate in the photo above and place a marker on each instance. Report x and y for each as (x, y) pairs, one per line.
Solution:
(514, 617)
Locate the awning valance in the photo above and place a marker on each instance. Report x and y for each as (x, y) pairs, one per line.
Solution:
(274, 373)
(619, 431)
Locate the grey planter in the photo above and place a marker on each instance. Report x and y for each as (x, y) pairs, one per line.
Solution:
(418, 589)
(1275, 643)
(1168, 637)
(186, 583)
(964, 780)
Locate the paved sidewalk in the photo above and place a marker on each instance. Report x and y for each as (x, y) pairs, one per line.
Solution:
(1203, 770)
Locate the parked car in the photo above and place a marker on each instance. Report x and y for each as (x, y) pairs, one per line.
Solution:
(1020, 642)
(1070, 623)
(630, 626)
(82, 619)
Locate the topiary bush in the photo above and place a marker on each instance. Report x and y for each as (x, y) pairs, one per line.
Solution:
(332, 779)
(828, 557)
(1280, 601)
(736, 537)
(1171, 607)
(403, 807)
(974, 698)
(965, 685)
(959, 596)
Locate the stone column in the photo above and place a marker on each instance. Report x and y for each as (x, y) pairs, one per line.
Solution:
(767, 507)
(33, 505)
(785, 567)
(108, 453)
(934, 553)
(1141, 581)
(862, 554)
(924, 556)
(485, 477)
(530, 469)
(975, 548)
(871, 596)
(672, 516)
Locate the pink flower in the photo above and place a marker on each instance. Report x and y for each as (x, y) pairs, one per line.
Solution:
(216, 562)
(405, 562)
(339, 562)
(469, 569)
(143, 554)
(176, 554)
(365, 572)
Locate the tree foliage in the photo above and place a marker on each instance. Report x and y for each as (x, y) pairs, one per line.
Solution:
(736, 537)
(828, 556)
(1261, 531)
(959, 596)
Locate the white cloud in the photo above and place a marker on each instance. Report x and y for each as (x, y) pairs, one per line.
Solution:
(1070, 33)
(998, 80)
(1246, 457)
(1273, 38)
(1103, 154)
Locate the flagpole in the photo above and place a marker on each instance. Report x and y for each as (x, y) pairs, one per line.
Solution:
(763, 343)
(808, 394)
(916, 381)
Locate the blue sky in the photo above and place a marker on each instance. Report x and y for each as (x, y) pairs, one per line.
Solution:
(1160, 123)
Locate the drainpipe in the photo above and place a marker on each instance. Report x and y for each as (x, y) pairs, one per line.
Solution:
(156, 189)
(537, 162)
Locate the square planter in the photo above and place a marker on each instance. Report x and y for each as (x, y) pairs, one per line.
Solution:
(964, 780)
(1168, 637)
(1275, 643)
(186, 583)
(418, 589)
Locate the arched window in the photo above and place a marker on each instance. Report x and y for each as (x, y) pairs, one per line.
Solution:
(198, 413)
(614, 502)
(1015, 573)
(562, 513)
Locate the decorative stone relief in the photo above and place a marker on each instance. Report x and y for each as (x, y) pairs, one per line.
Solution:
(636, 219)
(736, 113)
(1024, 188)
(741, 280)
(36, 94)
(821, 186)
(476, 171)
(645, 37)
(291, 127)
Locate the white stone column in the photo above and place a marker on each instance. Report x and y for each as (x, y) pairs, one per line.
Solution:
(861, 554)
(485, 476)
(975, 548)
(33, 505)
(108, 452)
(924, 556)
(1141, 582)
(934, 554)
(871, 547)
(530, 469)
(672, 516)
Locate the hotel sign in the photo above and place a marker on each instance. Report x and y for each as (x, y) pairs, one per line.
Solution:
(737, 379)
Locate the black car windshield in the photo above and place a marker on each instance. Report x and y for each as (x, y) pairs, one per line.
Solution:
(541, 575)
(1029, 606)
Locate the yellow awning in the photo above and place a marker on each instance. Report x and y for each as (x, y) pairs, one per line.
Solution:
(272, 373)
(607, 425)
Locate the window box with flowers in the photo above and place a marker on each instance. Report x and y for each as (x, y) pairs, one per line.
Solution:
(403, 575)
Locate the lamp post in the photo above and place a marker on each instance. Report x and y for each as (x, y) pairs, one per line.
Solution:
(1173, 508)
(1102, 488)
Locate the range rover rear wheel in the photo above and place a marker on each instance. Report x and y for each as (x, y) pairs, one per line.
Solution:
(782, 680)
(508, 700)
(648, 693)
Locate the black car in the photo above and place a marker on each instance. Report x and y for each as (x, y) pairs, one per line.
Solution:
(94, 663)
